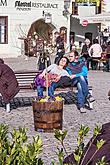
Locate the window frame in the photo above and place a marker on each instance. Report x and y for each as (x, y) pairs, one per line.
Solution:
(6, 30)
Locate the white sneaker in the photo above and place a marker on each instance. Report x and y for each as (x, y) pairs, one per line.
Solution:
(8, 107)
(82, 110)
(90, 99)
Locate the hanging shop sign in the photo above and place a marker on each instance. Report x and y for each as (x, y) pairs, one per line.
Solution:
(48, 18)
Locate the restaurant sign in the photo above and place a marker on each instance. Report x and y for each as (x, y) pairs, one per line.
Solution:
(29, 5)
(3, 2)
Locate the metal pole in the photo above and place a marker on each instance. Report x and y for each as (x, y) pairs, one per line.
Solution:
(68, 26)
(46, 78)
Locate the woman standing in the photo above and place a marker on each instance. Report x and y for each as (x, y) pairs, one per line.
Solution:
(95, 52)
(85, 50)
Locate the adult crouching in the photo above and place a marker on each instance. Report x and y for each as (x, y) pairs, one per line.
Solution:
(8, 84)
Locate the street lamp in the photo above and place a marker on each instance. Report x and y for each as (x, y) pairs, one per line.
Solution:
(68, 11)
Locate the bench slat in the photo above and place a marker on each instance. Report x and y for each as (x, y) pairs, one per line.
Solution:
(25, 80)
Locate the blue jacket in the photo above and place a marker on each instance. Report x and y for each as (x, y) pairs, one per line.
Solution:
(77, 69)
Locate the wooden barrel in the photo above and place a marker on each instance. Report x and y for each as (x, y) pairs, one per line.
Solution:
(47, 115)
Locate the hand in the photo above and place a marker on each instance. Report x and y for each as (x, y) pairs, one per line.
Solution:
(72, 76)
(57, 78)
(41, 75)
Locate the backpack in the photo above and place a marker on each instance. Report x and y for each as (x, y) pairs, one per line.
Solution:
(38, 81)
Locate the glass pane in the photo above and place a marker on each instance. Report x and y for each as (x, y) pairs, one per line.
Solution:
(3, 29)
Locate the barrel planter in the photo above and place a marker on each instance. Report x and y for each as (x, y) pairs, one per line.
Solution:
(47, 115)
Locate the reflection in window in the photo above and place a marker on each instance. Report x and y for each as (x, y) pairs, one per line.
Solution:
(3, 30)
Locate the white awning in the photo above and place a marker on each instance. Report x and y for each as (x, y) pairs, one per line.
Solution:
(97, 18)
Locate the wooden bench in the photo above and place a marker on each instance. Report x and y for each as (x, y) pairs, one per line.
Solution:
(99, 61)
(26, 80)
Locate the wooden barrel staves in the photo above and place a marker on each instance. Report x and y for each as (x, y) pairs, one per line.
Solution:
(48, 115)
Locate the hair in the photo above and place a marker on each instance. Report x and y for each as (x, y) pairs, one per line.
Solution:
(75, 53)
(67, 60)
(109, 43)
(105, 29)
(1, 61)
(95, 41)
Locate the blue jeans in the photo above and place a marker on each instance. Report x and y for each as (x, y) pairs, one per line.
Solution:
(83, 90)
(40, 90)
(51, 89)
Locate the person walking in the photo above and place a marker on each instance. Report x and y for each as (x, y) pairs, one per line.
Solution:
(108, 57)
(60, 47)
(84, 51)
(95, 52)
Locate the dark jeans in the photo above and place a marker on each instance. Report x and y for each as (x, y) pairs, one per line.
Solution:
(83, 91)
(94, 62)
(51, 89)
(87, 59)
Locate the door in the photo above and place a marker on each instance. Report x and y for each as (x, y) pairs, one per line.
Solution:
(89, 36)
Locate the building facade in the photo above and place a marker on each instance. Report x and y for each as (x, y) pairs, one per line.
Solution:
(19, 19)
(81, 28)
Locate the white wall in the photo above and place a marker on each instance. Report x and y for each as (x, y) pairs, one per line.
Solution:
(86, 10)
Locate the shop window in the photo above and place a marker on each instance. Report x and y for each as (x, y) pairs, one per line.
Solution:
(89, 36)
(74, 8)
(3, 29)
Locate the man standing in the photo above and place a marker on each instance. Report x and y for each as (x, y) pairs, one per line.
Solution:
(78, 72)
(60, 47)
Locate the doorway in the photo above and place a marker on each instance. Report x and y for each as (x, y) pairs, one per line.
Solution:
(89, 36)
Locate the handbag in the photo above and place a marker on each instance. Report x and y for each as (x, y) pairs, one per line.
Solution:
(38, 81)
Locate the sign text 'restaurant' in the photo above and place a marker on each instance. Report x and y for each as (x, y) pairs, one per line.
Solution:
(3, 2)
(36, 5)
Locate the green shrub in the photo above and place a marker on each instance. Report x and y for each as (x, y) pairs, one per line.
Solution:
(79, 154)
(14, 149)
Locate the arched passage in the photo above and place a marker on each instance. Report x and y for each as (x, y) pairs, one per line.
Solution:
(39, 31)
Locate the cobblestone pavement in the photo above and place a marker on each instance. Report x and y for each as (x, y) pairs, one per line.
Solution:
(72, 119)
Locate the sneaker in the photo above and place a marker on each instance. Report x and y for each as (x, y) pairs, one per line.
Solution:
(90, 99)
(89, 106)
(82, 110)
(8, 110)
(8, 107)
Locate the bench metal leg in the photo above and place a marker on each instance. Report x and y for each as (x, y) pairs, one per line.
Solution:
(8, 107)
